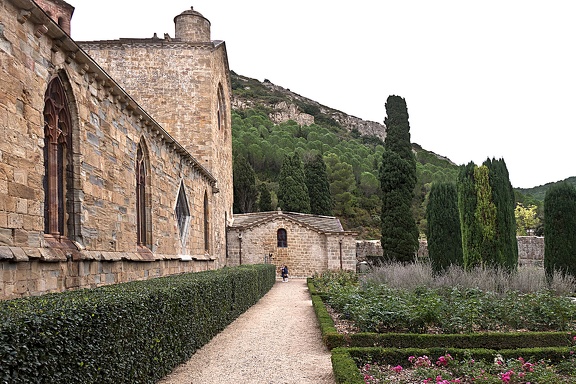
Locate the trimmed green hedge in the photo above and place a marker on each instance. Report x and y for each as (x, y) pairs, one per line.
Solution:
(345, 369)
(491, 340)
(127, 333)
(399, 356)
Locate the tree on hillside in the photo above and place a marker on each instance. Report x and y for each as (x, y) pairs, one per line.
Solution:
(397, 180)
(318, 186)
(292, 189)
(560, 230)
(245, 192)
(503, 198)
(443, 232)
(265, 199)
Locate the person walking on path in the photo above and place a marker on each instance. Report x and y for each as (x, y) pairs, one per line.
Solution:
(276, 341)
(285, 273)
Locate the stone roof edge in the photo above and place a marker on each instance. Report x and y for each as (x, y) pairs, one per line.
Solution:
(166, 42)
(50, 254)
(44, 25)
(271, 215)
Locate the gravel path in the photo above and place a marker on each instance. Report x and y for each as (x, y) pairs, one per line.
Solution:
(276, 341)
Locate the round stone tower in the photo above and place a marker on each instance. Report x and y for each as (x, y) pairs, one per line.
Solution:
(192, 27)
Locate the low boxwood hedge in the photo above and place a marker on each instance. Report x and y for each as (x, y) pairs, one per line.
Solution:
(399, 356)
(127, 333)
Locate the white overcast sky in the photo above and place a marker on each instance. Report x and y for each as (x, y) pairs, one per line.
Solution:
(491, 78)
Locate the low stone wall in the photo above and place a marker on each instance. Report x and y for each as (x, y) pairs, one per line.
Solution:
(530, 250)
(32, 271)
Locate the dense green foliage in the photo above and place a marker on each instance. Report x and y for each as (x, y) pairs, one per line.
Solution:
(444, 236)
(264, 199)
(245, 192)
(560, 229)
(292, 190)
(486, 205)
(505, 243)
(352, 160)
(377, 308)
(399, 237)
(318, 186)
(126, 333)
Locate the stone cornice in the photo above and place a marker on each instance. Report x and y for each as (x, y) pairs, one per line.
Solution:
(30, 12)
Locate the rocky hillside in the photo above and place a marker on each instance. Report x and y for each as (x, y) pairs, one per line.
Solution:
(282, 105)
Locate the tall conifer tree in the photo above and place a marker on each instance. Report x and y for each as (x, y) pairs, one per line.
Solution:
(560, 230)
(486, 205)
(265, 199)
(470, 229)
(443, 232)
(318, 186)
(292, 189)
(245, 192)
(397, 180)
(504, 201)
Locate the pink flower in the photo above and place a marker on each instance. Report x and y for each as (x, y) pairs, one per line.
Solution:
(506, 377)
(411, 358)
(397, 369)
(442, 361)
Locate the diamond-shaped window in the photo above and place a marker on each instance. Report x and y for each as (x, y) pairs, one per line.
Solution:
(182, 211)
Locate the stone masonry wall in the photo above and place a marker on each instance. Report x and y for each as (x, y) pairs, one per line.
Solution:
(107, 127)
(307, 252)
(182, 81)
(530, 250)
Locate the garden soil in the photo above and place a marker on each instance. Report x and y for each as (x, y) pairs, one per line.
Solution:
(277, 341)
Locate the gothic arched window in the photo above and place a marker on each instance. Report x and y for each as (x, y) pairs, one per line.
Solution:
(143, 211)
(282, 237)
(57, 157)
(221, 111)
(206, 224)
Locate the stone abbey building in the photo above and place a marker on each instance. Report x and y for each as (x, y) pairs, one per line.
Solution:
(115, 156)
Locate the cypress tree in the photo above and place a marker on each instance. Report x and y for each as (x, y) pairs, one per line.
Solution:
(486, 205)
(485, 215)
(560, 230)
(443, 232)
(397, 180)
(292, 189)
(265, 200)
(318, 186)
(245, 192)
(504, 202)
(470, 229)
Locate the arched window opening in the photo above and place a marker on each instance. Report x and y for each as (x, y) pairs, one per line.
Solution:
(182, 213)
(206, 224)
(282, 238)
(57, 158)
(221, 110)
(143, 232)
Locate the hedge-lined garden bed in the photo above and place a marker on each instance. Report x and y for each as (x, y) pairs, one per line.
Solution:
(127, 333)
(352, 351)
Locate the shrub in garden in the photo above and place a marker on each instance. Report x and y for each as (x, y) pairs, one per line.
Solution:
(377, 308)
(490, 279)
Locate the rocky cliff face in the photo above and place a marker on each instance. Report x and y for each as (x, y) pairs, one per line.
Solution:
(288, 105)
